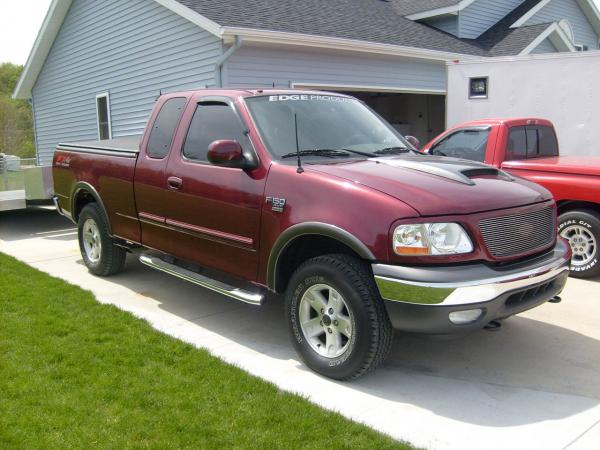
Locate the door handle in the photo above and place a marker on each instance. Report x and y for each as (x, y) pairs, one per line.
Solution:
(175, 182)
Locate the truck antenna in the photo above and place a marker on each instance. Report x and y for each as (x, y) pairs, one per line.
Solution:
(300, 169)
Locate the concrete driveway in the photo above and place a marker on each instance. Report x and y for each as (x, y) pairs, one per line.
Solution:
(534, 384)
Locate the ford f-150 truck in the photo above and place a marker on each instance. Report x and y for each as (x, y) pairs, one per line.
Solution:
(528, 148)
(312, 195)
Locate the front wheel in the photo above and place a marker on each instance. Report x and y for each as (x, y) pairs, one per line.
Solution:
(338, 323)
(582, 230)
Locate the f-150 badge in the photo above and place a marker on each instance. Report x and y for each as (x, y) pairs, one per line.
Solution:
(277, 203)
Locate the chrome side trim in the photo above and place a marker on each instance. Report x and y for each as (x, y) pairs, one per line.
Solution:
(201, 280)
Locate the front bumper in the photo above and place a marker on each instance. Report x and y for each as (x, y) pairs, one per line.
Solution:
(421, 299)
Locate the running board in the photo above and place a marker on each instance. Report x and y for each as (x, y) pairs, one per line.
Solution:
(201, 280)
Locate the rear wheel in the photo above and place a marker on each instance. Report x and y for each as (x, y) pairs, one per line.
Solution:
(582, 230)
(338, 322)
(100, 255)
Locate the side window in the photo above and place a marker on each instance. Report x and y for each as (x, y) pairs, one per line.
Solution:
(212, 121)
(516, 147)
(467, 144)
(103, 116)
(164, 127)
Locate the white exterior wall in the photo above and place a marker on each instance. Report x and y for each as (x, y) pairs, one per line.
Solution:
(561, 87)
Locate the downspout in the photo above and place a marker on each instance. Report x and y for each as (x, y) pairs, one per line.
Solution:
(223, 59)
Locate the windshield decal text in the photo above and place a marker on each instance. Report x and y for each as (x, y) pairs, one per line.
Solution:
(301, 97)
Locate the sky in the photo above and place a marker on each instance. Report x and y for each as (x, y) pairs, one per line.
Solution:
(20, 21)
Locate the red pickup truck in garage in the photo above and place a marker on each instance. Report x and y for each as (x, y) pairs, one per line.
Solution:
(313, 196)
(528, 148)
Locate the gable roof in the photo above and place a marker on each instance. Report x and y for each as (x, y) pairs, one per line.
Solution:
(363, 20)
(505, 40)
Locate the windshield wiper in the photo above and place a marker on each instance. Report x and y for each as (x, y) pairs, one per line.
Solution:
(392, 151)
(327, 152)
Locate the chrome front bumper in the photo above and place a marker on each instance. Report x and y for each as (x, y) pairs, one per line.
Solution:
(430, 294)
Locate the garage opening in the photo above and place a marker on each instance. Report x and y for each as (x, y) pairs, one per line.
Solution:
(420, 115)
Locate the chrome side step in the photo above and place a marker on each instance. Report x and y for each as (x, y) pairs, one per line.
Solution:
(201, 280)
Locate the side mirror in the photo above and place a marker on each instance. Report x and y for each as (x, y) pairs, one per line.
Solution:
(414, 142)
(226, 153)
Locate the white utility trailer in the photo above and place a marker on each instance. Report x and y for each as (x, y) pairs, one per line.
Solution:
(562, 87)
(23, 182)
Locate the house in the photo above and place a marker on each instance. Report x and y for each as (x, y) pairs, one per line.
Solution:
(98, 65)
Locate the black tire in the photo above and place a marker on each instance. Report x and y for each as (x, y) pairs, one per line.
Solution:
(589, 223)
(111, 258)
(372, 332)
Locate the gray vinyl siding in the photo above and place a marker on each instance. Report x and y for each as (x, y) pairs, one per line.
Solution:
(448, 24)
(570, 10)
(481, 15)
(545, 47)
(265, 67)
(133, 50)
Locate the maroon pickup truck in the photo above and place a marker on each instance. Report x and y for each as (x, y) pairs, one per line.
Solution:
(314, 196)
(528, 147)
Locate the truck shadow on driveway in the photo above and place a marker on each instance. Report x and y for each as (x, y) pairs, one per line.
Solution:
(533, 370)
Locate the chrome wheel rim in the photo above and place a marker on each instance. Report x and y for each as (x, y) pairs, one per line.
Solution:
(582, 242)
(91, 240)
(326, 321)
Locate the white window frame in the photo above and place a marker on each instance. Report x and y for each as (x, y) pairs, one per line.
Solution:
(479, 96)
(108, 115)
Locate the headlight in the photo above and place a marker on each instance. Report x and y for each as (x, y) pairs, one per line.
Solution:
(431, 239)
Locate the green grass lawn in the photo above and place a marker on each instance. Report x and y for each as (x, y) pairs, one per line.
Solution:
(75, 373)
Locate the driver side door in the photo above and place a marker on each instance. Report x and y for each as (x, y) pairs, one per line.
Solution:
(213, 212)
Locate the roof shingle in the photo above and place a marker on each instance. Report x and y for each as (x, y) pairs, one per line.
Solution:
(381, 21)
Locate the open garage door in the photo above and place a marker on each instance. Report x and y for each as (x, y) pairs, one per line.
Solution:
(419, 115)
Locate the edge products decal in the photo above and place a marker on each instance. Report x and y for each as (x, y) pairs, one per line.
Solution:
(300, 97)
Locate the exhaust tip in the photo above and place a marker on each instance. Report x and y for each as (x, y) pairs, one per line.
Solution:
(555, 299)
(494, 325)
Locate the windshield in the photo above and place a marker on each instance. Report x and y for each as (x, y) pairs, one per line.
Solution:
(329, 126)
(469, 143)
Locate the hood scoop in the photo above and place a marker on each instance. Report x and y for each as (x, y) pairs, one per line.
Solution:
(450, 168)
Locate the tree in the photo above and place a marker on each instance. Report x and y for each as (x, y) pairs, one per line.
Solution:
(16, 123)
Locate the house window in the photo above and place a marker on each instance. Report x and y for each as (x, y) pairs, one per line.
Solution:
(103, 116)
(478, 87)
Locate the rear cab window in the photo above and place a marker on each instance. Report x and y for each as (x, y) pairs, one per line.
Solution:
(531, 141)
(163, 129)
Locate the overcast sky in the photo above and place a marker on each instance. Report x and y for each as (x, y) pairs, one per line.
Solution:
(20, 21)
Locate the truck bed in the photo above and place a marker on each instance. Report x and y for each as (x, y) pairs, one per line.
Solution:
(587, 165)
(106, 167)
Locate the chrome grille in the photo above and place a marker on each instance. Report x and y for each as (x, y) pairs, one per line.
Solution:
(518, 233)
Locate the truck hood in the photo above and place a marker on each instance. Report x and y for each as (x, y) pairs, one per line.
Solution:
(577, 165)
(436, 186)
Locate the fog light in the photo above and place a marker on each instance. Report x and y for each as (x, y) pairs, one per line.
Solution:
(465, 317)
